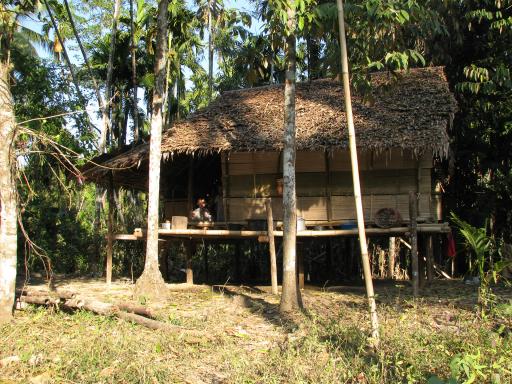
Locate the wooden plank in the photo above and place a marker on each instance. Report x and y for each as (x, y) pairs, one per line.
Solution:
(126, 237)
(309, 161)
(272, 247)
(193, 233)
(414, 242)
(312, 208)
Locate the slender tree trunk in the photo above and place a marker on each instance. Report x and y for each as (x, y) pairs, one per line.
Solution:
(8, 214)
(84, 56)
(110, 70)
(167, 95)
(290, 297)
(355, 179)
(133, 51)
(66, 56)
(151, 284)
(211, 4)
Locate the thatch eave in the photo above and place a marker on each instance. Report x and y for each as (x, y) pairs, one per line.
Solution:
(411, 114)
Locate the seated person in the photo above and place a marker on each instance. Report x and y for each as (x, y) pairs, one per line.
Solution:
(201, 213)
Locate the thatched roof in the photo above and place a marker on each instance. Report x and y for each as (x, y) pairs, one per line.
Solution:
(411, 113)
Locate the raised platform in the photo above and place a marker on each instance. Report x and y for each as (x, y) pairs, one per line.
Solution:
(239, 234)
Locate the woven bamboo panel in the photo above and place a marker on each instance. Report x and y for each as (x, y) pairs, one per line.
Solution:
(312, 208)
(391, 159)
(241, 209)
(310, 162)
(311, 184)
(340, 161)
(241, 186)
(266, 162)
(248, 163)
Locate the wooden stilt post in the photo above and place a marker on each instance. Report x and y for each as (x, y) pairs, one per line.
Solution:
(190, 186)
(238, 253)
(272, 247)
(205, 258)
(413, 228)
(188, 260)
(300, 264)
(162, 255)
(331, 272)
(422, 265)
(430, 258)
(110, 229)
(391, 257)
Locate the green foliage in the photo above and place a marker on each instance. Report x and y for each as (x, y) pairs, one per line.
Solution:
(486, 260)
(477, 53)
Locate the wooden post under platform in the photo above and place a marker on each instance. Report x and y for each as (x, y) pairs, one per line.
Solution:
(300, 264)
(430, 258)
(421, 262)
(413, 200)
(391, 257)
(206, 248)
(163, 254)
(189, 251)
(272, 247)
(110, 229)
(238, 254)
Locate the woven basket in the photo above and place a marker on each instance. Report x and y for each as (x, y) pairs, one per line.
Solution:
(387, 218)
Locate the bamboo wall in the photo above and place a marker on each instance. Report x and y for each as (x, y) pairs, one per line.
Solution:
(324, 185)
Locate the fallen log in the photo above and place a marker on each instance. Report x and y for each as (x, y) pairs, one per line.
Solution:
(149, 323)
(65, 295)
(39, 300)
(104, 309)
(137, 309)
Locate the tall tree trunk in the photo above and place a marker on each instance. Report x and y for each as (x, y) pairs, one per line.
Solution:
(291, 297)
(84, 56)
(64, 50)
(211, 4)
(133, 52)
(151, 284)
(110, 70)
(8, 215)
(167, 95)
(355, 179)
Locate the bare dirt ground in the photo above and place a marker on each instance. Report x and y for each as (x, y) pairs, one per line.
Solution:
(231, 334)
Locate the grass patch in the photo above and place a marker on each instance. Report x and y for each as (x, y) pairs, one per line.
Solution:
(435, 339)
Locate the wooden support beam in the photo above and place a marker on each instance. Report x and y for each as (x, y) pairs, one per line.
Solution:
(163, 252)
(190, 186)
(110, 228)
(188, 260)
(413, 229)
(206, 248)
(238, 254)
(272, 247)
(392, 257)
(429, 244)
(300, 264)
(421, 262)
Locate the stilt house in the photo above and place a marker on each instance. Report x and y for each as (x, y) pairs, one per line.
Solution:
(230, 152)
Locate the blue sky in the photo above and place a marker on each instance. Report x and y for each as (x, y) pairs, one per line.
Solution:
(243, 5)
